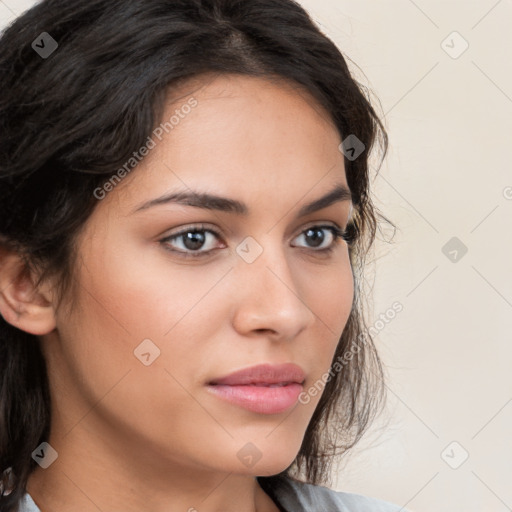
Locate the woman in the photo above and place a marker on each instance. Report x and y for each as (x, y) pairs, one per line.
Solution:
(185, 215)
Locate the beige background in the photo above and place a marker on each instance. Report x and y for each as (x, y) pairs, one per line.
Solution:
(448, 174)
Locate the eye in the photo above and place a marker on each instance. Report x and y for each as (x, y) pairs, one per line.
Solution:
(323, 238)
(192, 241)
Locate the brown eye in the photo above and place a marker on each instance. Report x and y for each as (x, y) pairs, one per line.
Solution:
(321, 238)
(314, 236)
(192, 241)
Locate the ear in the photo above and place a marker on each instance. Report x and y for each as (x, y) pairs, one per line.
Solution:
(22, 304)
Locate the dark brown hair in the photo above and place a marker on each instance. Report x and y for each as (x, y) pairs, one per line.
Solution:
(70, 118)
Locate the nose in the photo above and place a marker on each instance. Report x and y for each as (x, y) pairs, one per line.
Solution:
(269, 299)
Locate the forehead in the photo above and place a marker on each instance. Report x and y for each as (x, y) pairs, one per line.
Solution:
(243, 136)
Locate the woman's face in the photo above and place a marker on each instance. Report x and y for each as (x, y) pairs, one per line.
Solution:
(158, 316)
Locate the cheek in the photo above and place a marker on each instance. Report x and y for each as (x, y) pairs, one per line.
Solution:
(148, 293)
(118, 307)
(330, 297)
(129, 297)
(338, 294)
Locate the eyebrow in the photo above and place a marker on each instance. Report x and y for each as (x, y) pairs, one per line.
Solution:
(225, 204)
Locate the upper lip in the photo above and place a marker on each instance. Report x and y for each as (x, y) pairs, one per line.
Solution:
(264, 374)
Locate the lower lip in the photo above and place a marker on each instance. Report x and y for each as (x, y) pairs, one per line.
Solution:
(260, 399)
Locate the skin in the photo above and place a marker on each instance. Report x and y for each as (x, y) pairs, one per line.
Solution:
(132, 437)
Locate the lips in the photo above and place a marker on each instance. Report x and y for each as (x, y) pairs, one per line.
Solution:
(263, 389)
(269, 375)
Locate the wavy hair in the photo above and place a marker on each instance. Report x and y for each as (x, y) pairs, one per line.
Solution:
(68, 119)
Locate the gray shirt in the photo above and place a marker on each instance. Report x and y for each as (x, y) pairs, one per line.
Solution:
(292, 496)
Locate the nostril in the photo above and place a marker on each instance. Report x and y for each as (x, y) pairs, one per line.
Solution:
(265, 331)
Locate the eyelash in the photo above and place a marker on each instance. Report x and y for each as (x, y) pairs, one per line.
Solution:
(348, 235)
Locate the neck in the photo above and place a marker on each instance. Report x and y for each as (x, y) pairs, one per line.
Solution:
(93, 473)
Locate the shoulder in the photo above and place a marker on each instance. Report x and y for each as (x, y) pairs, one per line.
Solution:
(295, 495)
(27, 504)
(298, 496)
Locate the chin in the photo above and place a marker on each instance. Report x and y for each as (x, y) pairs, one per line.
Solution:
(273, 464)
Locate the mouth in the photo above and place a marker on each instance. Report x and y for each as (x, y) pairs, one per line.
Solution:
(264, 375)
(259, 384)
(259, 398)
(264, 389)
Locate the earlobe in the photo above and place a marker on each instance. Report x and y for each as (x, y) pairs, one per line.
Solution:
(21, 303)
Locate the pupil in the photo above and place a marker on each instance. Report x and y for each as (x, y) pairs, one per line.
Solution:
(316, 235)
(194, 240)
